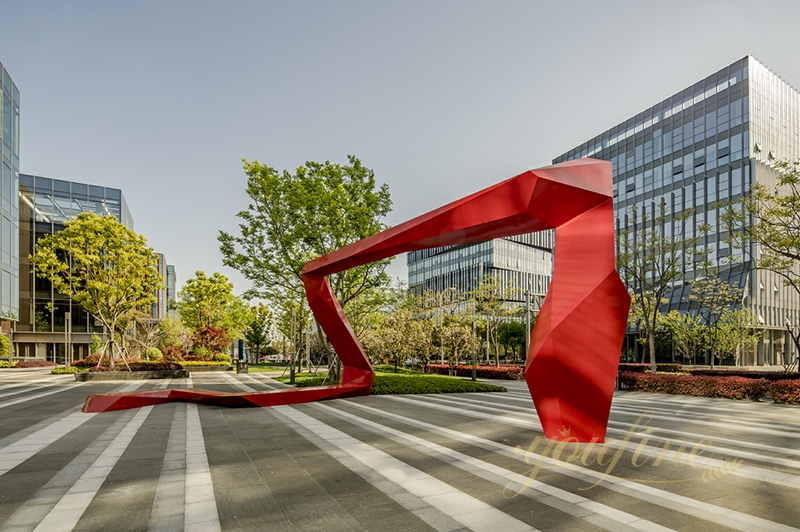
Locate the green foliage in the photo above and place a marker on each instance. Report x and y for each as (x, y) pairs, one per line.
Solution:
(511, 335)
(209, 302)
(650, 260)
(203, 353)
(5, 346)
(739, 330)
(101, 265)
(154, 353)
(257, 334)
(414, 384)
(64, 371)
(175, 333)
(297, 217)
(488, 301)
(688, 333)
(222, 357)
(713, 296)
(5, 364)
(96, 345)
(201, 363)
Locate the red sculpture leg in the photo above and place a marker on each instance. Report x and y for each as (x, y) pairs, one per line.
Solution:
(577, 339)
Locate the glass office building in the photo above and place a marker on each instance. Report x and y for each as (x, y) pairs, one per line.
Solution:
(521, 263)
(707, 144)
(158, 310)
(9, 203)
(170, 282)
(45, 204)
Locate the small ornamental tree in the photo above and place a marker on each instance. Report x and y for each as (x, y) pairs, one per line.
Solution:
(103, 266)
(212, 339)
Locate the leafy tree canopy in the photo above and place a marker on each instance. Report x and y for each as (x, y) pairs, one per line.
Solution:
(101, 265)
(210, 302)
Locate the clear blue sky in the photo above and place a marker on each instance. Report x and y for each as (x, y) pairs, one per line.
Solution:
(164, 98)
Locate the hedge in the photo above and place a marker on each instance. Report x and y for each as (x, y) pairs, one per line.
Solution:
(510, 373)
(139, 366)
(645, 368)
(785, 392)
(413, 384)
(768, 375)
(34, 364)
(698, 386)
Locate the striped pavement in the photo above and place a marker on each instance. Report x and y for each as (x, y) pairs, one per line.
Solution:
(434, 462)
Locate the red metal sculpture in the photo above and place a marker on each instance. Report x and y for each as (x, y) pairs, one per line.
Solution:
(575, 345)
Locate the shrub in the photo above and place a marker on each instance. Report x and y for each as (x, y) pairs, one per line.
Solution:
(139, 366)
(413, 384)
(201, 363)
(511, 373)
(63, 371)
(173, 353)
(34, 364)
(202, 353)
(5, 346)
(645, 368)
(90, 361)
(786, 392)
(154, 353)
(211, 339)
(698, 386)
(5, 364)
(768, 375)
(222, 357)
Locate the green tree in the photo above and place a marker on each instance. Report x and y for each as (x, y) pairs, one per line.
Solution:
(652, 254)
(688, 333)
(297, 217)
(511, 334)
(713, 296)
(257, 334)
(210, 302)
(739, 330)
(103, 266)
(766, 226)
(488, 300)
(456, 340)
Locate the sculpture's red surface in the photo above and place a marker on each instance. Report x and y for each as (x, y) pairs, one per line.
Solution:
(575, 345)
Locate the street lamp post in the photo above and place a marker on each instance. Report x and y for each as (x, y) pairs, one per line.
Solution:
(527, 322)
(67, 347)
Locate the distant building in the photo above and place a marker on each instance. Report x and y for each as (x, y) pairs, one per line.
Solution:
(44, 207)
(705, 144)
(158, 310)
(171, 296)
(9, 202)
(521, 263)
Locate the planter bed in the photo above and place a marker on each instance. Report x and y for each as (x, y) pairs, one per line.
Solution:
(131, 375)
(193, 369)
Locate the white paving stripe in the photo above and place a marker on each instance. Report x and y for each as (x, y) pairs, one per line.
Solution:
(573, 504)
(69, 509)
(23, 449)
(679, 503)
(200, 508)
(465, 509)
(651, 449)
(736, 453)
(168, 507)
(35, 509)
(65, 388)
(31, 385)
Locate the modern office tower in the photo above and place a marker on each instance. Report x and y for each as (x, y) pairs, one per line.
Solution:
(522, 264)
(44, 207)
(158, 310)
(9, 203)
(707, 144)
(170, 282)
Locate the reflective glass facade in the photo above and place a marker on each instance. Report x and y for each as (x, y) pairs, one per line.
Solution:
(158, 310)
(45, 204)
(704, 145)
(9, 201)
(170, 282)
(521, 263)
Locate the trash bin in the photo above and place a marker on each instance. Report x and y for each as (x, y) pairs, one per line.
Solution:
(241, 366)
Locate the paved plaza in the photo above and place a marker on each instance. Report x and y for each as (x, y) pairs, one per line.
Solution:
(385, 463)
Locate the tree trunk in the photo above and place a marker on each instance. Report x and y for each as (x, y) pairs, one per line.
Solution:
(651, 343)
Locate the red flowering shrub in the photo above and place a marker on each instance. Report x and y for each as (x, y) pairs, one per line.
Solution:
(769, 375)
(511, 373)
(644, 368)
(90, 361)
(34, 364)
(173, 353)
(698, 386)
(785, 392)
(213, 339)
